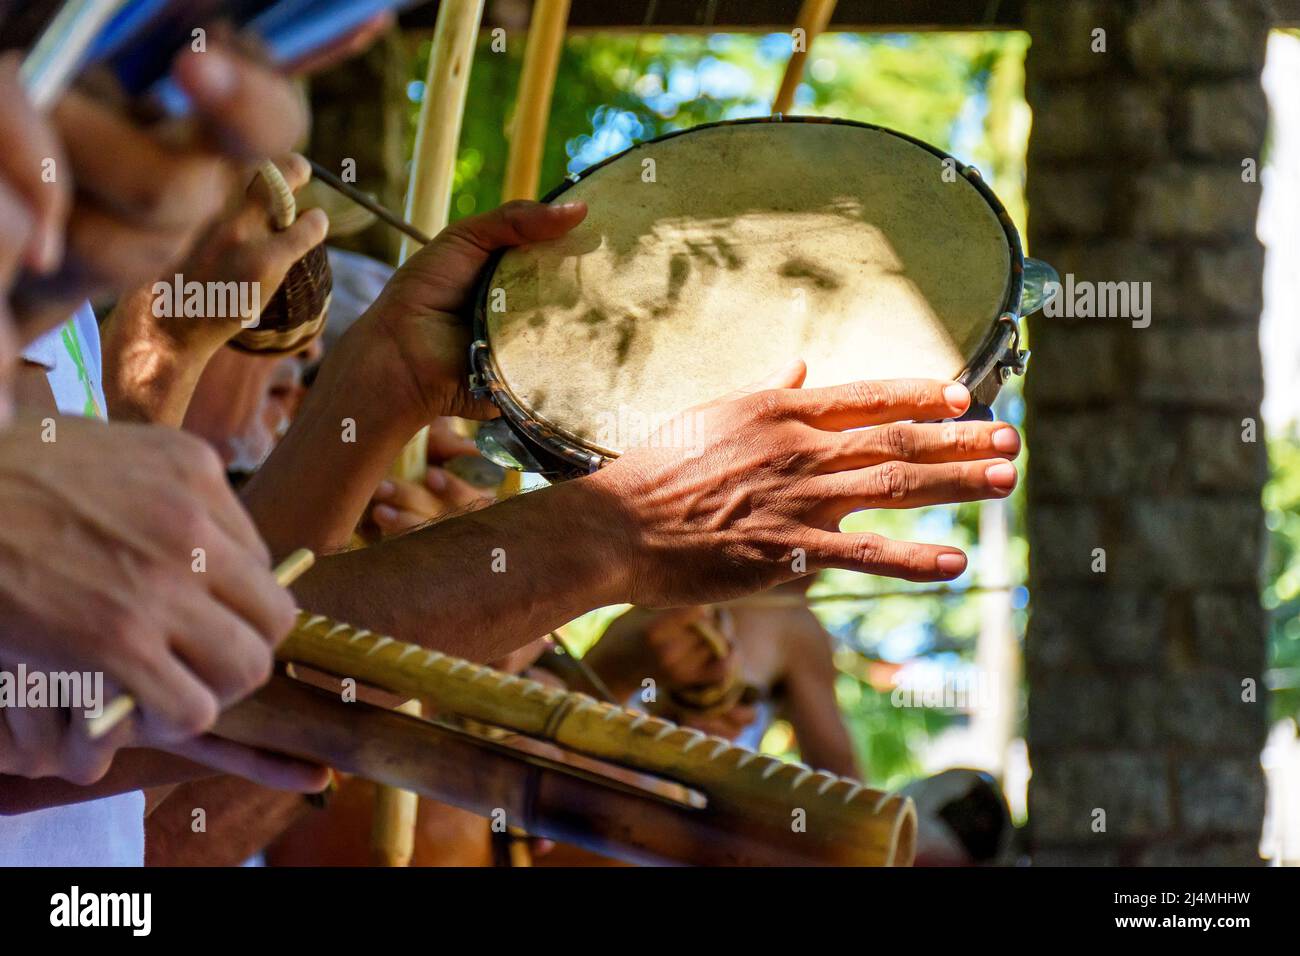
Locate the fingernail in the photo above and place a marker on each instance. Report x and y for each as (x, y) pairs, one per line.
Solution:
(436, 479)
(957, 396)
(1006, 440)
(1001, 475)
(384, 513)
(216, 74)
(385, 489)
(951, 562)
(570, 206)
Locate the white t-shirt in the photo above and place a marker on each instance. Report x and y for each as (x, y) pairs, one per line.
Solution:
(107, 832)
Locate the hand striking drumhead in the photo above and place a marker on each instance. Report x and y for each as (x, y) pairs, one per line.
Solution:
(708, 260)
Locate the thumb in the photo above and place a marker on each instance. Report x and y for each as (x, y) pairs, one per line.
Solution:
(790, 375)
(447, 268)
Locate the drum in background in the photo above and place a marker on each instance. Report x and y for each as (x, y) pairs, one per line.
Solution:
(712, 257)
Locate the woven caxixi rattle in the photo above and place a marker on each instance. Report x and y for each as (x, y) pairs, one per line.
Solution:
(295, 315)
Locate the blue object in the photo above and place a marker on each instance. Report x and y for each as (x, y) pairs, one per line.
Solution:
(140, 43)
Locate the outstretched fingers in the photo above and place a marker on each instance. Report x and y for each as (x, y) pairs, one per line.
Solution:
(899, 484)
(874, 554)
(920, 443)
(875, 403)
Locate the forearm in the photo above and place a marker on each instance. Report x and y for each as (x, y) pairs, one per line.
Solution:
(824, 741)
(148, 376)
(314, 488)
(485, 583)
(239, 819)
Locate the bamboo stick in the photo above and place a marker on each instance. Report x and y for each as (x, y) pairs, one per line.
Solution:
(533, 104)
(814, 17)
(428, 209)
(845, 820)
(528, 128)
(566, 800)
(433, 164)
(437, 136)
(392, 835)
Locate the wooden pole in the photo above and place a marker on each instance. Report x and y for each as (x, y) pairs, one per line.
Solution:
(433, 163)
(428, 208)
(814, 17)
(528, 128)
(533, 104)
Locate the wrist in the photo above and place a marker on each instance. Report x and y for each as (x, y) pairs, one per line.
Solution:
(369, 362)
(148, 375)
(596, 504)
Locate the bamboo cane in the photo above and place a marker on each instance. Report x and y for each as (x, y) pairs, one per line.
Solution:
(433, 163)
(814, 17)
(428, 208)
(532, 115)
(845, 821)
(533, 104)
(567, 800)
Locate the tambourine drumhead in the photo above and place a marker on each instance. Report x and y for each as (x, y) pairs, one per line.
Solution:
(710, 259)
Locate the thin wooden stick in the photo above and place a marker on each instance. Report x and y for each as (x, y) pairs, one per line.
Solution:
(789, 600)
(814, 17)
(367, 203)
(119, 708)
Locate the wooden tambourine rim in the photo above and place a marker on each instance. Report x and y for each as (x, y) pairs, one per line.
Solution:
(564, 455)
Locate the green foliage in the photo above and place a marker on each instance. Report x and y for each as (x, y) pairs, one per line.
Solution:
(1282, 590)
(960, 91)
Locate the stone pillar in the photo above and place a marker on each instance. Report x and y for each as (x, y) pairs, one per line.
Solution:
(1140, 438)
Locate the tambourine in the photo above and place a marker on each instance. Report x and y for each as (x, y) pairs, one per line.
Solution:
(711, 257)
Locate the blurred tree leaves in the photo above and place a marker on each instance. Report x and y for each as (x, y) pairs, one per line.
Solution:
(1282, 576)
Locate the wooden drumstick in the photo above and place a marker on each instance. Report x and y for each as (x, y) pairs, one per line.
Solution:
(120, 707)
(814, 17)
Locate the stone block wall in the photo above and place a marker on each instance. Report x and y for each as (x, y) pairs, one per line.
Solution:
(1137, 672)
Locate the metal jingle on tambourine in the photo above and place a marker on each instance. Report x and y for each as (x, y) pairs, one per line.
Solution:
(1041, 283)
(497, 442)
